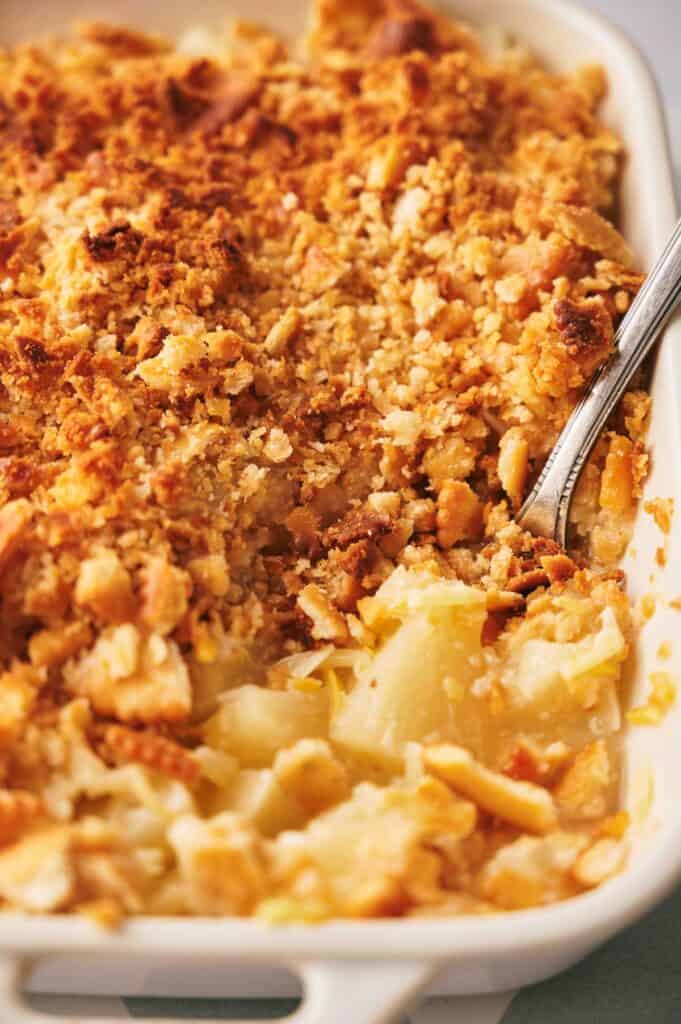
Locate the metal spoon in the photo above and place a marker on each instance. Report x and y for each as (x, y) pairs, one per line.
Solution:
(545, 511)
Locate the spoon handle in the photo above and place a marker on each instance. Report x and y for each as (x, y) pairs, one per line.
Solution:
(545, 512)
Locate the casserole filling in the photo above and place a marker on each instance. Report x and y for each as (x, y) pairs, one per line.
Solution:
(284, 343)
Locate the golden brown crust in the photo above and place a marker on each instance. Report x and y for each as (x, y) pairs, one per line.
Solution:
(302, 293)
(17, 810)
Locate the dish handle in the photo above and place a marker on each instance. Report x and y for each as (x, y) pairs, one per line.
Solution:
(365, 992)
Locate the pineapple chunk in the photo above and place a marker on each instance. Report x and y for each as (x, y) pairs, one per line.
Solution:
(552, 678)
(406, 692)
(564, 690)
(543, 669)
(305, 780)
(230, 665)
(258, 796)
(254, 723)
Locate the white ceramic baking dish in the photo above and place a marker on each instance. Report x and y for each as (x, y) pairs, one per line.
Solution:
(364, 971)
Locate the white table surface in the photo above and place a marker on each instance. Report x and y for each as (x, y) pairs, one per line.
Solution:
(648, 989)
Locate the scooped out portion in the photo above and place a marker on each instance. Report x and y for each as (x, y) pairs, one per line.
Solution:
(285, 340)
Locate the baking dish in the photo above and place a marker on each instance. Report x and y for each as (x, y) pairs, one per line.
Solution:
(365, 971)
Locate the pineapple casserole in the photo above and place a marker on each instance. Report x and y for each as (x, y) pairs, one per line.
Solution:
(284, 342)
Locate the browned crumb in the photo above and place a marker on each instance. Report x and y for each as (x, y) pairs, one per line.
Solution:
(661, 509)
(617, 482)
(17, 810)
(558, 567)
(147, 748)
(528, 581)
(615, 825)
(662, 698)
(107, 913)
